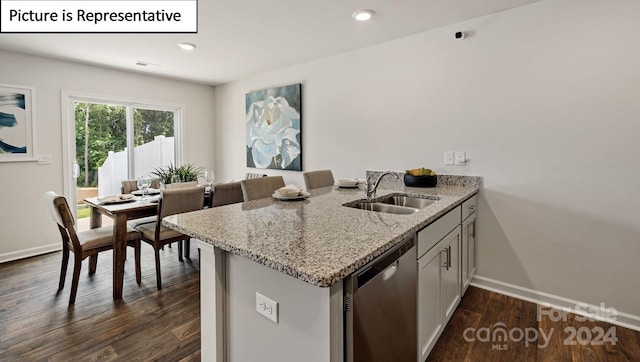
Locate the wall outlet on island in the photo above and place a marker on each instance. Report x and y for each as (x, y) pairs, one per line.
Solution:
(267, 307)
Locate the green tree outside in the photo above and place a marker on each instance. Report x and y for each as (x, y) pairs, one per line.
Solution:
(101, 128)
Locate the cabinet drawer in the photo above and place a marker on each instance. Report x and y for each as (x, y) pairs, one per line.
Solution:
(469, 206)
(434, 232)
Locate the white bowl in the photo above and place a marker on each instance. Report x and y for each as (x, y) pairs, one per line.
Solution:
(287, 192)
(348, 182)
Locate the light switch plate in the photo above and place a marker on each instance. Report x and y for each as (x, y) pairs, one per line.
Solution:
(44, 159)
(461, 158)
(448, 158)
(267, 307)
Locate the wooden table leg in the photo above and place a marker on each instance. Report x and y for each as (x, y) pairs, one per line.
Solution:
(119, 250)
(95, 222)
(96, 218)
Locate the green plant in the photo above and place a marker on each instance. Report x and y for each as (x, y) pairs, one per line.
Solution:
(186, 173)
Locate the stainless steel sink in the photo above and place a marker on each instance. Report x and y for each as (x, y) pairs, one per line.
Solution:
(408, 201)
(403, 204)
(388, 208)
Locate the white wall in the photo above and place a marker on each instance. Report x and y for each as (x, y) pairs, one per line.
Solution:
(25, 225)
(544, 100)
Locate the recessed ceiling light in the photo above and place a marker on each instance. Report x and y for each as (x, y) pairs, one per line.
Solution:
(187, 46)
(363, 15)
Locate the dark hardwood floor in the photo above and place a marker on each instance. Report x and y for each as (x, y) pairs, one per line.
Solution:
(474, 334)
(37, 325)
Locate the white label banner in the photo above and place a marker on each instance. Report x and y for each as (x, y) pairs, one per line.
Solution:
(97, 16)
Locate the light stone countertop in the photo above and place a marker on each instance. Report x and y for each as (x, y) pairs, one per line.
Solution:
(318, 240)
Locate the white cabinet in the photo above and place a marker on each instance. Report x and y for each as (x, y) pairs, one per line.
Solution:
(439, 278)
(451, 276)
(429, 285)
(468, 259)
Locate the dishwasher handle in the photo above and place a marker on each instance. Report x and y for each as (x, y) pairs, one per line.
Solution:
(390, 271)
(387, 264)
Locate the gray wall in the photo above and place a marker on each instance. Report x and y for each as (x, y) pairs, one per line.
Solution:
(544, 100)
(26, 227)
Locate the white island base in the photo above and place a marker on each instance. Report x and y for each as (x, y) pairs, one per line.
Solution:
(310, 318)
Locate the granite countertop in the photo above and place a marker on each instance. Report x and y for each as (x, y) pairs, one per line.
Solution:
(318, 240)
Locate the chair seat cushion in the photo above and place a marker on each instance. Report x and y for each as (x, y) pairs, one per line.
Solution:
(149, 232)
(99, 237)
(137, 222)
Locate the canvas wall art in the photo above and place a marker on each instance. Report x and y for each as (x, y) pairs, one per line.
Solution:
(17, 131)
(273, 128)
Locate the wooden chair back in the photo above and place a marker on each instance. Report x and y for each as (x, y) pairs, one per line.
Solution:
(227, 193)
(259, 188)
(128, 186)
(62, 216)
(177, 201)
(317, 179)
(252, 175)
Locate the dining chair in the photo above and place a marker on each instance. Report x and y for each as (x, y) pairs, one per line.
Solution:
(259, 188)
(317, 179)
(129, 186)
(84, 244)
(174, 201)
(227, 193)
(252, 175)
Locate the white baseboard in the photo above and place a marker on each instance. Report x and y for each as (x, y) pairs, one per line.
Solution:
(549, 300)
(21, 254)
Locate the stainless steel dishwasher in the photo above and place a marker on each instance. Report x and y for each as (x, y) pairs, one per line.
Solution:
(380, 308)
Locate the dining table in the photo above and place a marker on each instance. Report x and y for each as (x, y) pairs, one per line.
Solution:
(120, 212)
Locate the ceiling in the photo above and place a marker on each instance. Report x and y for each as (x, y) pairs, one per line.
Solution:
(238, 38)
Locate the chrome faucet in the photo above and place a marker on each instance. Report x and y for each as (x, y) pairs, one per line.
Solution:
(370, 188)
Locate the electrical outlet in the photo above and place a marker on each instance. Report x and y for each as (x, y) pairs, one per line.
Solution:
(461, 158)
(267, 307)
(448, 158)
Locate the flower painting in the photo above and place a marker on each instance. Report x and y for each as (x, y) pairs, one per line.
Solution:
(16, 128)
(273, 128)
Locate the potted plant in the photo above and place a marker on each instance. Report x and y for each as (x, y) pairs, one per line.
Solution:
(184, 173)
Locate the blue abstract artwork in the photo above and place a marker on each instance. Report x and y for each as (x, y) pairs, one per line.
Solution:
(16, 131)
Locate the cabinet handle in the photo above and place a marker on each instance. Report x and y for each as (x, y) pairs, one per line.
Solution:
(449, 258)
(446, 259)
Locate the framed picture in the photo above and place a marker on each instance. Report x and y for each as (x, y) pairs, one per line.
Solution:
(17, 126)
(273, 128)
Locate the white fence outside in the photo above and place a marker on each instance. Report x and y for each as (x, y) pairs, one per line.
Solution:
(147, 157)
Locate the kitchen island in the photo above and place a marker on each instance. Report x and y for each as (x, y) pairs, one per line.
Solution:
(295, 253)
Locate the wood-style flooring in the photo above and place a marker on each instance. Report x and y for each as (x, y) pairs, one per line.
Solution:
(486, 314)
(37, 325)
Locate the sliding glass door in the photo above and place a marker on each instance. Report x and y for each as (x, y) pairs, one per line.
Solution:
(113, 141)
(154, 140)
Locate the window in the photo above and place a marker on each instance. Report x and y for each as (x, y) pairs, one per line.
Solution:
(109, 140)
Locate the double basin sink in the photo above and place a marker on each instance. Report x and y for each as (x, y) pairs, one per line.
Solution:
(397, 203)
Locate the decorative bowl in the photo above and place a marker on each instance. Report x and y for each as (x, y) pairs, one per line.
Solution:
(420, 181)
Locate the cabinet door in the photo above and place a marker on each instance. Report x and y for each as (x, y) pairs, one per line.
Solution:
(451, 277)
(468, 251)
(430, 271)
